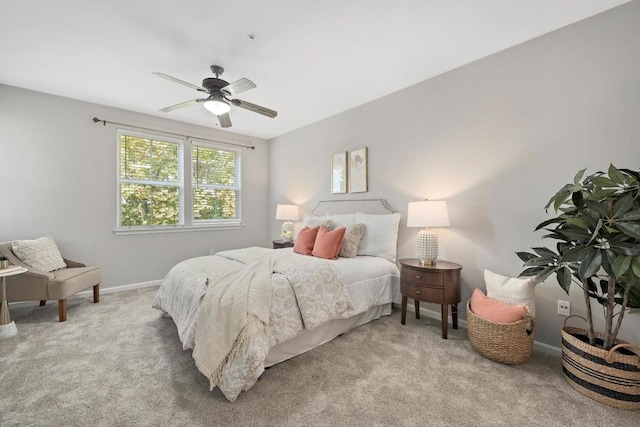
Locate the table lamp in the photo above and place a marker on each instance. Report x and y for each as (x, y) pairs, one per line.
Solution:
(428, 213)
(287, 213)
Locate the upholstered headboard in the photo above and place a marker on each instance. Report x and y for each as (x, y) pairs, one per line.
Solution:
(342, 206)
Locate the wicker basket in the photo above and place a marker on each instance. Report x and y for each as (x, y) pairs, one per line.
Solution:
(508, 343)
(606, 376)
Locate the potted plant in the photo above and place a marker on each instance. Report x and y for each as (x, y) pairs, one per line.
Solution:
(597, 234)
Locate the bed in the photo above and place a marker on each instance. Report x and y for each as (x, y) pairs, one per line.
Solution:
(243, 310)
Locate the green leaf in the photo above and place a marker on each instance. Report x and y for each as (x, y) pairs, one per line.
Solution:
(578, 222)
(564, 278)
(603, 182)
(623, 205)
(621, 265)
(626, 248)
(577, 199)
(532, 271)
(590, 264)
(545, 252)
(578, 177)
(544, 274)
(615, 175)
(631, 229)
(631, 216)
(598, 207)
(635, 266)
(548, 222)
(525, 256)
(596, 231)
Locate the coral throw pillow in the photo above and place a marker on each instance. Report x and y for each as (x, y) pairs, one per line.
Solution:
(328, 243)
(305, 240)
(494, 310)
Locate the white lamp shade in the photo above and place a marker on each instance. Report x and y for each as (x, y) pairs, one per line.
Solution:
(428, 213)
(217, 107)
(287, 212)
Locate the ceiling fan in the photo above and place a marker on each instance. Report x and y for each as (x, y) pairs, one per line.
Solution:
(219, 100)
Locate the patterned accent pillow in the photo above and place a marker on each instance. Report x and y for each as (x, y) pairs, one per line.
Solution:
(40, 254)
(352, 238)
(326, 223)
(495, 310)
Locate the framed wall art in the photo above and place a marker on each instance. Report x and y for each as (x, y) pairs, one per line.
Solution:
(339, 173)
(358, 171)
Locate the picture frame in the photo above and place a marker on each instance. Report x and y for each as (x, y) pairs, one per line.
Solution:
(358, 173)
(339, 175)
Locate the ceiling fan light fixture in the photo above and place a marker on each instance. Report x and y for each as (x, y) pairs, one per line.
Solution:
(217, 106)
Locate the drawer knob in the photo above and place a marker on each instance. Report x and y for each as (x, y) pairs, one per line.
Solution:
(417, 277)
(417, 292)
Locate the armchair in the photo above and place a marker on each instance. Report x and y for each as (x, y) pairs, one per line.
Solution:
(58, 285)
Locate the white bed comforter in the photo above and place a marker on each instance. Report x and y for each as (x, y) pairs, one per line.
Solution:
(305, 293)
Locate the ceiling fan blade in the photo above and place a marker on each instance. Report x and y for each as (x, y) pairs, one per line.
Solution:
(255, 108)
(182, 82)
(225, 120)
(239, 86)
(181, 105)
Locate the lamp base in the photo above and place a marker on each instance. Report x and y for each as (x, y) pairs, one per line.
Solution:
(287, 231)
(427, 247)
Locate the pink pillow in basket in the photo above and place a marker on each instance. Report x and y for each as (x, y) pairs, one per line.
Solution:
(495, 310)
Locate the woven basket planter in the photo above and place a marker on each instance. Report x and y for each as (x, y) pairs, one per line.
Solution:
(606, 376)
(508, 343)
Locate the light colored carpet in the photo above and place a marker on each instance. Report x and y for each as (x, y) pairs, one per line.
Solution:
(120, 363)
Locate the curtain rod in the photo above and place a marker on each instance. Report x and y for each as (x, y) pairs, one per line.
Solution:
(105, 122)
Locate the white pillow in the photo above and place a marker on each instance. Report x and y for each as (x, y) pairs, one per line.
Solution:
(340, 220)
(511, 289)
(380, 236)
(40, 254)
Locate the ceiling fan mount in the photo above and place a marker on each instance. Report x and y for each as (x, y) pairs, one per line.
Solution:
(221, 92)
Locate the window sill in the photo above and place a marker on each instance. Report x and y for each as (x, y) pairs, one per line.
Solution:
(177, 229)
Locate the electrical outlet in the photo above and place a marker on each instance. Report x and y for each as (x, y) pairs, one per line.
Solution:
(564, 308)
(212, 251)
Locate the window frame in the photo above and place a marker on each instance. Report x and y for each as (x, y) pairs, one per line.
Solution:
(185, 186)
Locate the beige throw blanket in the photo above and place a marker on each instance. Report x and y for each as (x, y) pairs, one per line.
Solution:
(235, 308)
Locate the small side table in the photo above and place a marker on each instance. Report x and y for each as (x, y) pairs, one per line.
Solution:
(438, 283)
(7, 327)
(280, 243)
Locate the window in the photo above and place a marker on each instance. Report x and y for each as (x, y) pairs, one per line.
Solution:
(216, 183)
(154, 194)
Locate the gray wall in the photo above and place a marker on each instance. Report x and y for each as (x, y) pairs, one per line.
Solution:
(58, 175)
(496, 139)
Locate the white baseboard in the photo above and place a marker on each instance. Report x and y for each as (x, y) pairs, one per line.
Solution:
(103, 291)
(538, 346)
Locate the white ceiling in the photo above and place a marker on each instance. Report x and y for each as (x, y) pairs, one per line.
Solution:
(310, 59)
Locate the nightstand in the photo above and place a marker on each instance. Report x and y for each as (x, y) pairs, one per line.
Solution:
(438, 284)
(279, 244)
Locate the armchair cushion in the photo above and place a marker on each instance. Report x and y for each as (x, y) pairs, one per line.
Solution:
(41, 254)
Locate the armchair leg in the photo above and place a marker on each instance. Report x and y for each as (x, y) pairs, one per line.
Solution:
(43, 302)
(96, 293)
(62, 309)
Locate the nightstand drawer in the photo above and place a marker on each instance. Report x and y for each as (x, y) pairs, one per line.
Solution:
(421, 277)
(422, 293)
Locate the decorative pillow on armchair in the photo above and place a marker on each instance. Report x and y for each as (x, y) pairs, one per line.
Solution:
(40, 254)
